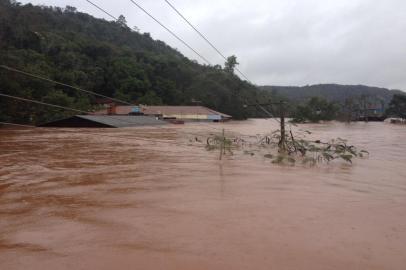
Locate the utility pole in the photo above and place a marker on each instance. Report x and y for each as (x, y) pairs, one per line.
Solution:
(222, 145)
(282, 141)
(281, 104)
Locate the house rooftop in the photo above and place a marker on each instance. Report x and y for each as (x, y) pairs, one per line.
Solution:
(165, 110)
(105, 121)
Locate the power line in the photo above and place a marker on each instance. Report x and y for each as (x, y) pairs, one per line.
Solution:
(268, 113)
(42, 103)
(61, 107)
(67, 108)
(194, 28)
(66, 85)
(157, 21)
(101, 9)
(86, 91)
(170, 31)
(215, 48)
(63, 84)
(18, 125)
(57, 106)
(204, 37)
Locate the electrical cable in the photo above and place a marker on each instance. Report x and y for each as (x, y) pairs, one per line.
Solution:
(170, 31)
(204, 37)
(63, 84)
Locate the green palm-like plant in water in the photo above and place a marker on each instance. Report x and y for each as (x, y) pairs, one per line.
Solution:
(293, 150)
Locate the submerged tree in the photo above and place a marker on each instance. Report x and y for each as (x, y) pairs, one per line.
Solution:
(283, 146)
(295, 149)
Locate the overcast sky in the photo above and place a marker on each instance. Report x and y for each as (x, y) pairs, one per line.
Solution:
(282, 42)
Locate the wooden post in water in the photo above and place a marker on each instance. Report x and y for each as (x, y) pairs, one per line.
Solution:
(222, 146)
(282, 141)
(281, 104)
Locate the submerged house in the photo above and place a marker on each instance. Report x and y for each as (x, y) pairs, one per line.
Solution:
(372, 111)
(184, 113)
(117, 116)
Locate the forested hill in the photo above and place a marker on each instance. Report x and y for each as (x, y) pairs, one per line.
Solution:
(106, 57)
(331, 92)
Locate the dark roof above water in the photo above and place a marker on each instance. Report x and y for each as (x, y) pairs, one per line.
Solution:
(106, 121)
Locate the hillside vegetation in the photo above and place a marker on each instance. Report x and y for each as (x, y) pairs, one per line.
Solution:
(332, 92)
(106, 57)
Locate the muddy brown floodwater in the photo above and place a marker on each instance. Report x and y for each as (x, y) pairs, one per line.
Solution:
(105, 199)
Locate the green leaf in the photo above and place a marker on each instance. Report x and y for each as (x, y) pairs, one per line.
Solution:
(347, 158)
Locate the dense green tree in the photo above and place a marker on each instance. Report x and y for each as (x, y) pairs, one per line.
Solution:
(150, 98)
(315, 110)
(122, 21)
(70, 9)
(333, 92)
(397, 106)
(230, 64)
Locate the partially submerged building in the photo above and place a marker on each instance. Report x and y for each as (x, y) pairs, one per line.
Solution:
(184, 113)
(371, 109)
(114, 116)
(104, 121)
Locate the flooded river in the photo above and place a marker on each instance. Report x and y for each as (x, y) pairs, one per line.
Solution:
(143, 199)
